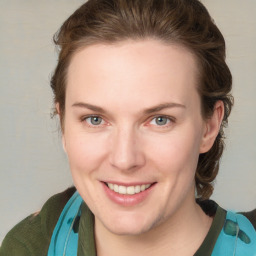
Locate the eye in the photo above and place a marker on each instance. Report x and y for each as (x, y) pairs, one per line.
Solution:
(160, 121)
(94, 120)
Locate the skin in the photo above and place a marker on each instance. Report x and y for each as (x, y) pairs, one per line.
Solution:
(129, 145)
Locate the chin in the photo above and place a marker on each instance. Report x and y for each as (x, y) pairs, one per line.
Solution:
(130, 226)
(124, 230)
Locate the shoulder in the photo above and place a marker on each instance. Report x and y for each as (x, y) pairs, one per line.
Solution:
(210, 207)
(251, 216)
(33, 234)
(238, 234)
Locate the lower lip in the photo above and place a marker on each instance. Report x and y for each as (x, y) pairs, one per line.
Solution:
(127, 200)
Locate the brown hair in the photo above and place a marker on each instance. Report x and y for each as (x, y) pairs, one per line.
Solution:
(183, 22)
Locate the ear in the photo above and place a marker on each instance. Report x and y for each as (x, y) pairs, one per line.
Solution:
(64, 144)
(212, 127)
(57, 106)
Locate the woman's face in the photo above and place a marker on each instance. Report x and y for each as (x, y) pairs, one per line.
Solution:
(133, 132)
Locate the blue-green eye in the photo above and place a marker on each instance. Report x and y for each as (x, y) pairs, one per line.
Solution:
(160, 120)
(94, 120)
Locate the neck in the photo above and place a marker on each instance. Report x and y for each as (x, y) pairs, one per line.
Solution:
(180, 234)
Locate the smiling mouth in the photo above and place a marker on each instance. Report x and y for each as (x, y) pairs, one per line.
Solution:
(128, 190)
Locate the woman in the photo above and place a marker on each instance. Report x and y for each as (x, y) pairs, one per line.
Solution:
(143, 94)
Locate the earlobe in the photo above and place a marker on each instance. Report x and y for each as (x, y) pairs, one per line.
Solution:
(212, 127)
(64, 144)
(57, 106)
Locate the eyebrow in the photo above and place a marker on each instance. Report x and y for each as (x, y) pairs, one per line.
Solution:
(163, 106)
(89, 106)
(146, 111)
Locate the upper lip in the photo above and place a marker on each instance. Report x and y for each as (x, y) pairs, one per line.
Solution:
(127, 184)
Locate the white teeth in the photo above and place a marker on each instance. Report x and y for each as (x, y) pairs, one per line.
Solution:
(122, 190)
(137, 189)
(115, 188)
(131, 190)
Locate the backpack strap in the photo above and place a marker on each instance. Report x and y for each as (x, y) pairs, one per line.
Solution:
(237, 238)
(64, 241)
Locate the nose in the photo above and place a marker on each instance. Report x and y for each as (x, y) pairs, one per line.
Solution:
(126, 153)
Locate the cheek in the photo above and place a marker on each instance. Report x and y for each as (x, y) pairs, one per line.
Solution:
(85, 152)
(175, 152)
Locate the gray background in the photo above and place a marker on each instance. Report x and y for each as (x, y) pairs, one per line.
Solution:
(32, 163)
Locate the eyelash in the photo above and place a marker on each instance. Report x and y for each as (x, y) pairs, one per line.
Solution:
(170, 120)
(90, 117)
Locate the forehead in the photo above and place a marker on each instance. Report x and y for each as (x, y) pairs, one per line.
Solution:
(127, 72)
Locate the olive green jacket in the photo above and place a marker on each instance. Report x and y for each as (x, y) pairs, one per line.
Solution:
(32, 236)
